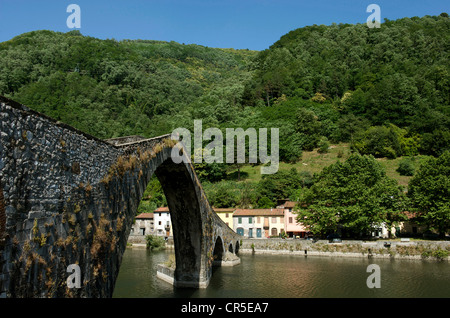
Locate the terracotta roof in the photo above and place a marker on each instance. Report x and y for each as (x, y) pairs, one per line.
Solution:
(166, 209)
(410, 215)
(290, 204)
(162, 209)
(145, 216)
(224, 209)
(265, 212)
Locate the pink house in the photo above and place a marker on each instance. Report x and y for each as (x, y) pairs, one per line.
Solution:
(292, 228)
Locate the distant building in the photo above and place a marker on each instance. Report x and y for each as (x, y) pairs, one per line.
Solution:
(258, 223)
(226, 214)
(410, 227)
(292, 227)
(163, 222)
(143, 225)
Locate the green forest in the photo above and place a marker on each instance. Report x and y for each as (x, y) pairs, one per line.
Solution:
(371, 105)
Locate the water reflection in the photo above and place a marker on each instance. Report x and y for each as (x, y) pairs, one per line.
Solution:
(284, 276)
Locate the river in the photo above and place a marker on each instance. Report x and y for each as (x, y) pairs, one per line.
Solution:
(285, 276)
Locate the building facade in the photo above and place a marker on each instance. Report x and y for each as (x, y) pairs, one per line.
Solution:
(292, 227)
(226, 214)
(143, 225)
(258, 223)
(162, 222)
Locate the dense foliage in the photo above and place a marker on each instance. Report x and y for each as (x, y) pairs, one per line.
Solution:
(395, 79)
(384, 91)
(109, 88)
(429, 191)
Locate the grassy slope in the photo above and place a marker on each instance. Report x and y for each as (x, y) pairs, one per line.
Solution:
(314, 162)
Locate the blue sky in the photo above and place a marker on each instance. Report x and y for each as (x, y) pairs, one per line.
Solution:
(239, 24)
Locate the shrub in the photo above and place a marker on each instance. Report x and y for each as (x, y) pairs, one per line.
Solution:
(323, 145)
(154, 243)
(406, 167)
(440, 254)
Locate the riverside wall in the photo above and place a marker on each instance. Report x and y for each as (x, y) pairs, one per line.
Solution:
(415, 250)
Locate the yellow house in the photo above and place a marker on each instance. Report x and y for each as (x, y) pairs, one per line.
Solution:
(226, 214)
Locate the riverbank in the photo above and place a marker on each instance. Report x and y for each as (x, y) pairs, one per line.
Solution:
(394, 249)
(388, 249)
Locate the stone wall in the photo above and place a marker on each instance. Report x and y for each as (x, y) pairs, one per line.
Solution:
(348, 248)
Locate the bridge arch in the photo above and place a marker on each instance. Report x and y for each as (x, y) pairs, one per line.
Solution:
(70, 198)
(187, 212)
(219, 251)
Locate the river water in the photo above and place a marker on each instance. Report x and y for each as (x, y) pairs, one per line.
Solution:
(285, 276)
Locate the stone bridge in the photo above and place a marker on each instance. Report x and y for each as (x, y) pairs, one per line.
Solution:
(69, 198)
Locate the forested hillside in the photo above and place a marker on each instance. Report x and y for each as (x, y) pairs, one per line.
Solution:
(109, 88)
(382, 92)
(386, 89)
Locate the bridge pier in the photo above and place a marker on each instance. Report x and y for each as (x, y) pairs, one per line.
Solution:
(167, 274)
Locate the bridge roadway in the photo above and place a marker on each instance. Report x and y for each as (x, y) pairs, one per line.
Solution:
(67, 197)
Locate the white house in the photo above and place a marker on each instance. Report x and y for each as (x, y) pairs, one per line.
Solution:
(162, 222)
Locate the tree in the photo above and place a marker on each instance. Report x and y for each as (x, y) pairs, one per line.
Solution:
(429, 191)
(265, 203)
(406, 167)
(211, 172)
(379, 141)
(323, 145)
(308, 126)
(222, 195)
(354, 196)
(280, 185)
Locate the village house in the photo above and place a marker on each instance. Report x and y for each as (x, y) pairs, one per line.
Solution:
(410, 227)
(143, 225)
(226, 214)
(258, 223)
(292, 227)
(163, 222)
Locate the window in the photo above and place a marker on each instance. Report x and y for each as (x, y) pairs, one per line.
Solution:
(159, 223)
(290, 219)
(249, 220)
(226, 215)
(274, 220)
(258, 219)
(142, 231)
(239, 220)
